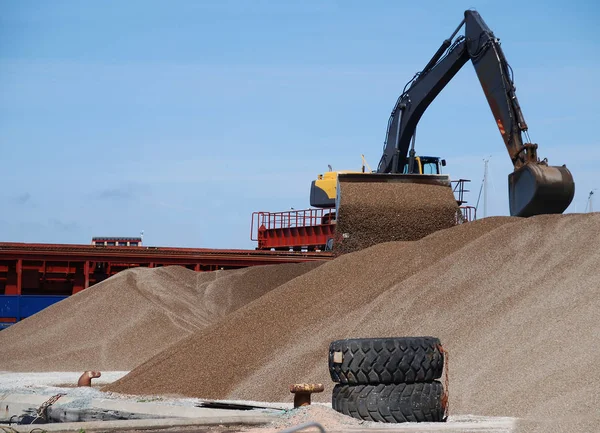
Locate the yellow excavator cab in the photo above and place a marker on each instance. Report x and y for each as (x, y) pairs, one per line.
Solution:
(323, 190)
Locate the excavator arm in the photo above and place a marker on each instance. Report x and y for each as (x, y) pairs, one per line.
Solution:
(534, 187)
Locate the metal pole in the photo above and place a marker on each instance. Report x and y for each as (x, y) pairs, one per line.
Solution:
(411, 157)
(589, 207)
(485, 185)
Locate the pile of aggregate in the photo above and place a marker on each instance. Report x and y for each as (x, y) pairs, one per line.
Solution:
(372, 213)
(515, 302)
(328, 418)
(126, 319)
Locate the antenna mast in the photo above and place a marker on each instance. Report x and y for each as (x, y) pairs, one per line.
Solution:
(485, 186)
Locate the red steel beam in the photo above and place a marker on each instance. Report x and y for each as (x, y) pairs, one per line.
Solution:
(147, 255)
(47, 268)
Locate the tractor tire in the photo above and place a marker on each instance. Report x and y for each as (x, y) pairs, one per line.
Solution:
(396, 403)
(374, 361)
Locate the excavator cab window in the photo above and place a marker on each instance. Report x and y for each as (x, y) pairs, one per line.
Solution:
(430, 168)
(417, 169)
(431, 165)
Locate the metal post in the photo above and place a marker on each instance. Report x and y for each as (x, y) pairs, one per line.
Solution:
(411, 154)
(396, 151)
(86, 274)
(485, 185)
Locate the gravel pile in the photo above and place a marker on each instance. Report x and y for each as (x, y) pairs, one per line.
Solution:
(289, 329)
(372, 213)
(514, 301)
(331, 420)
(130, 317)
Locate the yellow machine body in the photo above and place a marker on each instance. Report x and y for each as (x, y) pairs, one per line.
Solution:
(323, 190)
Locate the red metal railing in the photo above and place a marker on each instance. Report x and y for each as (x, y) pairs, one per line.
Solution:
(54, 269)
(313, 228)
(467, 214)
(309, 229)
(288, 219)
(459, 190)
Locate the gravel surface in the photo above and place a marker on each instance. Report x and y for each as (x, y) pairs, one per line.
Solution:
(132, 316)
(333, 421)
(372, 213)
(324, 415)
(514, 301)
(290, 328)
(284, 416)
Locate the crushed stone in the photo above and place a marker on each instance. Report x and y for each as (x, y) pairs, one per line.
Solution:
(372, 213)
(132, 316)
(514, 301)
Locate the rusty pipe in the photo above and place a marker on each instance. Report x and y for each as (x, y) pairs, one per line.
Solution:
(86, 378)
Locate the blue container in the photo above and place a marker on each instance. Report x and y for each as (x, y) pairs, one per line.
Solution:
(19, 307)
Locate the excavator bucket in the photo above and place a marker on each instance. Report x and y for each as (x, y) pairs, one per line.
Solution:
(429, 179)
(388, 178)
(536, 189)
(372, 208)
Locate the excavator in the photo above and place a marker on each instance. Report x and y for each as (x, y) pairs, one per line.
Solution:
(534, 187)
(323, 190)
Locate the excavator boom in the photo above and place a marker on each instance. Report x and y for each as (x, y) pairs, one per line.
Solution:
(534, 187)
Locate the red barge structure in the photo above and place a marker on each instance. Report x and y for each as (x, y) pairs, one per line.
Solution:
(34, 276)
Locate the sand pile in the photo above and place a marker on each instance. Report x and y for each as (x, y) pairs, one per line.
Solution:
(372, 213)
(331, 420)
(296, 318)
(132, 316)
(515, 301)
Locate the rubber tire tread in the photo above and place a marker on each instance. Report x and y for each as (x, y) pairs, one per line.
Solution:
(374, 361)
(395, 403)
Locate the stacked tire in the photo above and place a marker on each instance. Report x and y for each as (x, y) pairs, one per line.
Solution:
(389, 380)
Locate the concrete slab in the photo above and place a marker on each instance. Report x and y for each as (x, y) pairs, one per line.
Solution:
(20, 392)
(14, 405)
(457, 424)
(142, 424)
(15, 381)
(162, 410)
(173, 425)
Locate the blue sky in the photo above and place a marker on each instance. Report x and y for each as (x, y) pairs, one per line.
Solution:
(181, 118)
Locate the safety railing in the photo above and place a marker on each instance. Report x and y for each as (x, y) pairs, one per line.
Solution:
(466, 214)
(459, 189)
(289, 219)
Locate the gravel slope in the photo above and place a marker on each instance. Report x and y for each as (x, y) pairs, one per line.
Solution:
(372, 213)
(130, 317)
(515, 301)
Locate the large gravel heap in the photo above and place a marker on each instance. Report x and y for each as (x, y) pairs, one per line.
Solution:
(371, 213)
(130, 317)
(515, 302)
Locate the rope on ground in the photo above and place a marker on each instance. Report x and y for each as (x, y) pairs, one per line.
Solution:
(42, 411)
(446, 394)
